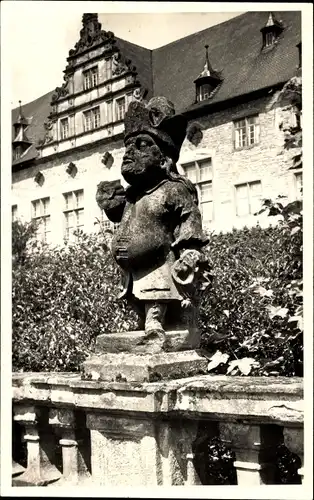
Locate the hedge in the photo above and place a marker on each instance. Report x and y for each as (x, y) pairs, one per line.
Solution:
(250, 316)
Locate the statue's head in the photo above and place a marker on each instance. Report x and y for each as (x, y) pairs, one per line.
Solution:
(153, 138)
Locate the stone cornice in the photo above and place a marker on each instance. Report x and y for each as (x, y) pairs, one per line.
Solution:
(135, 83)
(68, 152)
(255, 399)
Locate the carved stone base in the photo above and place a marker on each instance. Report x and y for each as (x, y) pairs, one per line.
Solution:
(135, 342)
(127, 367)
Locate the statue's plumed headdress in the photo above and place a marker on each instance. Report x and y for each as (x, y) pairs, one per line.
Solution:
(158, 119)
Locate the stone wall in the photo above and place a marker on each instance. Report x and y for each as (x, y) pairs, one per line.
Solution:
(263, 162)
(149, 434)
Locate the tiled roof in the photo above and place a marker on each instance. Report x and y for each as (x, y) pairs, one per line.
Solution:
(142, 59)
(36, 112)
(235, 50)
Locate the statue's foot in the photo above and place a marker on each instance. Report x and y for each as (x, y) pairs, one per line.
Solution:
(154, 332)
(154, 338)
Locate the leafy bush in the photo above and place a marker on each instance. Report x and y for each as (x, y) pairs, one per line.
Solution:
(62, 299)
(250, 318)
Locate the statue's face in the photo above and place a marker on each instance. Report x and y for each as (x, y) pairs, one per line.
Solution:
(142, 159)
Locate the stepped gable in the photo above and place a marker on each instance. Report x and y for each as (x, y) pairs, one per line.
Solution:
(236, 53)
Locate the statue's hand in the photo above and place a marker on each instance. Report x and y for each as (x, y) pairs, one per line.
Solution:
(110, 197)
(185, 269)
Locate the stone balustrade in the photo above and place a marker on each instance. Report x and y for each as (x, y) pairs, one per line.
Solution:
(80, 432)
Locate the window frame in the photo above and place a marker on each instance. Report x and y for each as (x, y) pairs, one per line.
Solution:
(203, 95)
(17, 152)
(247, 126)
(270, 38)
(14, 212)
(88, 78)
(248, 185)
(74, 209)
(298, 194)
(43, 217)
(107, 69)
(62, 128)
(91, 113)
(201, 181)
(105, 223)
(117, 109)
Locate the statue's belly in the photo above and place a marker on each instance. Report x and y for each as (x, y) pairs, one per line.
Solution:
(140, 242)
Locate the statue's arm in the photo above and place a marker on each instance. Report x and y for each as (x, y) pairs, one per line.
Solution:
(111, 198)
(189, 241)
(188, 233)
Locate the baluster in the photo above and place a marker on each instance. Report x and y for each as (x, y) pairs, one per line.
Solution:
(254, 447)
(40, 470)
(294, 441)
(17, 446)
(27, 416)
(17, 468)
(191, 474)
(63, 421)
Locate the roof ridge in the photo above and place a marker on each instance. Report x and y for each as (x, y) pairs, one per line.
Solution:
(132, 43)
(30, 102)
(201, 31)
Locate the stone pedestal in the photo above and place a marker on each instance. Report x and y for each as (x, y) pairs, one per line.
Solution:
(144, 367)
(127, 357)
(134, 342)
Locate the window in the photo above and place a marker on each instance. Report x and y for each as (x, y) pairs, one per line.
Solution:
(90, 78)
(91, 119)
(107, 70)
(14, 213)
(204, 92)
(246, 132)
(105, 224)
(73, 213)
(17, 152)
(248, 198)
(200, 173)
(270, 38)
(300, 54)
(41, 214)
(120, 108)
(64, 128)
(298, 178)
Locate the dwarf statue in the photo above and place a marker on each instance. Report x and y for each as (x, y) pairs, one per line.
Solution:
(158, 243)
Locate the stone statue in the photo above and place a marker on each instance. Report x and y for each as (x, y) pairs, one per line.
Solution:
(159, 241)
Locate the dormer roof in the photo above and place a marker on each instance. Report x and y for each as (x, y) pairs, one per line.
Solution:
(208, 72)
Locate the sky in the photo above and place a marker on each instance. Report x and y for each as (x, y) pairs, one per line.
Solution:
(40, 35)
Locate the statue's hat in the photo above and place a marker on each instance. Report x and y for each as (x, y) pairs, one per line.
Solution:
(158, 119)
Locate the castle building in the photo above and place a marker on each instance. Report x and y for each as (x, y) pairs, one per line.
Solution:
(225, 79)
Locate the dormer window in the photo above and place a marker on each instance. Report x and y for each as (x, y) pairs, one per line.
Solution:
(204, 91)
(271, 31)
(269, 39)
(207, 81)
(299, 46)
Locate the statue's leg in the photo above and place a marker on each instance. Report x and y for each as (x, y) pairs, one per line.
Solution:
(155, 315)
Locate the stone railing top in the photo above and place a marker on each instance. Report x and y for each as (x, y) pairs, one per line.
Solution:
(266, 399)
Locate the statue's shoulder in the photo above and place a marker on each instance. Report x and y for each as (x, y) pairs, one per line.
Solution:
(176, 187)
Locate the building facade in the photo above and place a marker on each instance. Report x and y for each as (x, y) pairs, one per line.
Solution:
(225, 79)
